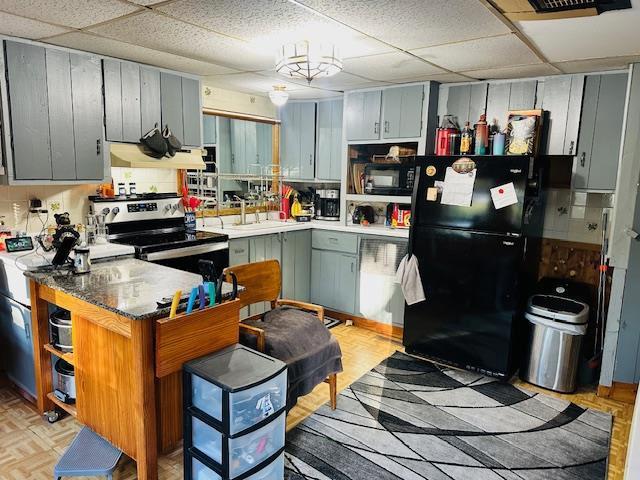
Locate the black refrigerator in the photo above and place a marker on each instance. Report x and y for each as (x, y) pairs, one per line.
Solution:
(475, 263)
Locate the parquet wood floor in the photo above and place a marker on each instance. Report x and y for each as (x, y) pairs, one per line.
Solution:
(30, 447)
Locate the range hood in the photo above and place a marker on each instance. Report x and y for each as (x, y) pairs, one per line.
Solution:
(136, 156)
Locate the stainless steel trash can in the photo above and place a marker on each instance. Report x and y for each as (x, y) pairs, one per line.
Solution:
(556, 326)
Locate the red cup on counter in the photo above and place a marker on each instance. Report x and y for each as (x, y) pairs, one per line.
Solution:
(285, 209)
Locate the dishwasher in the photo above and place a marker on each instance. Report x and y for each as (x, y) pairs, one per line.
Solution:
(379, 296)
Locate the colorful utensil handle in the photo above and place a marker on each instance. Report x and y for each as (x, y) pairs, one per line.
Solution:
(201, 297)
(174, 303)
(211, 290)
(192, 299)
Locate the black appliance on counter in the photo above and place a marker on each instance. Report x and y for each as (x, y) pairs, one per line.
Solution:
(389, 178)
(154, 225)
(327, 204)
(476, 264)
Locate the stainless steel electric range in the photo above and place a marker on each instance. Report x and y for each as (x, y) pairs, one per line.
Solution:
(153, 223)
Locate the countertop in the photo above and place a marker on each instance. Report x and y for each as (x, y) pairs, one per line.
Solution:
(126, 286)
(268, 227)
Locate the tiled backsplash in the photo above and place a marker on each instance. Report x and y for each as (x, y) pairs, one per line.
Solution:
(576, 216)
(14, 200)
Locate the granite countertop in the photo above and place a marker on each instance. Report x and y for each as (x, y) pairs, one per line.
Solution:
(126, 286)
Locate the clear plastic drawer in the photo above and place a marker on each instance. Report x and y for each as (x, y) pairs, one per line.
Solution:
(206, 439)
(273, 471)
(251, 406)
(200, 471)
(207, 397)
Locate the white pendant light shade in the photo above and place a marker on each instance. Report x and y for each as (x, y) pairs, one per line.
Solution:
(278, 95)
(308, 60)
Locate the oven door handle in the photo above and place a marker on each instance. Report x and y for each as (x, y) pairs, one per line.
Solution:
(185, 251)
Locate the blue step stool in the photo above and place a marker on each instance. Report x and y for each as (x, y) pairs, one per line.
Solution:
(88, 455)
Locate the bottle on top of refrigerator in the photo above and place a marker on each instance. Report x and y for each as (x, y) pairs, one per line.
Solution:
(481, 136)
(466, 140)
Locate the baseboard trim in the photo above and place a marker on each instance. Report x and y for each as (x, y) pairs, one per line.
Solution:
(622, 392)
(385, 329)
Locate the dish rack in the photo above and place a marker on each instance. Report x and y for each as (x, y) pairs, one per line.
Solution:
(234, 416)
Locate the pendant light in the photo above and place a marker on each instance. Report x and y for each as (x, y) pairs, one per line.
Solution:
(278, 95)
(308, 60)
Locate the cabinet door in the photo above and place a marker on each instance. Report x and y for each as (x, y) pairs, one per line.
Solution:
(325, 140)
(290, 144)
(238, 152)
(458, 103)
(265, 144)
(150, 104)
(224, 153)
(26, 74)
(288, 265)
(251, 148)
(402, 112)
(112, 99)
(171, 103)
(557, 91)
(363, 116)
(131, 122)
(307, 139)
(302, 286)
(191, 112)
(209, 130)
(336, 140)
(19, 344)
(498, 104)
(392, 112)
(522, 95)
(608, 131)
(573, 115)
(63, 152)
(238, 251)
(323, 286)
(587, 130)
(345, 281)
(86, 81)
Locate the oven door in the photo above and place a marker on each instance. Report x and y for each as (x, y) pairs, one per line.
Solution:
(187, 258)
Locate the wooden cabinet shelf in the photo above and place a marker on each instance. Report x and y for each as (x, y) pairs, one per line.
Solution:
(66, 356)
(70, 409)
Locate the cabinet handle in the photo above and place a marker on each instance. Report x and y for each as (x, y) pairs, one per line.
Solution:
(311, 159)
(386, 126)
(332, 239)
(98, 145)
(571, 145)
(376, 127)
(352, 266)
(582, 159)
(233, 158)
(27, 331)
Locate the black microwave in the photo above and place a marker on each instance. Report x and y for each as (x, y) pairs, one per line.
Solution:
(389, 179)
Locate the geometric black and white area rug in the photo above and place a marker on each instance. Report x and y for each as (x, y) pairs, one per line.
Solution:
(413, 420)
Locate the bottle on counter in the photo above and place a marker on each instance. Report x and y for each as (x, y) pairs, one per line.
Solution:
(481, 136)
(122, 190)
(466, 140)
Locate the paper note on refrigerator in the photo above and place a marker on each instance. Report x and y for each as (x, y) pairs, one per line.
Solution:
(458, 188)
(504, 195)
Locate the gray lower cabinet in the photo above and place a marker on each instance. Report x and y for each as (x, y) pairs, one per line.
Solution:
(239, 255)
(379, 297)
(296, 265)
(297, 144)
(402, 111)
(596, 165)
(329, 140)
(363, 115)
(55, 100)
(261, 248)
(209, 130)
(333, 280)
(17, 351)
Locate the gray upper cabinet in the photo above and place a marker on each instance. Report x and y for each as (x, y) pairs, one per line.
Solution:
(505, 96)
(329, 140)
(171, 101)
(122, 101)
(298, 139)
(150, 110)
(467, 102)
(522, 95)
(238, 146)
(402, 111)
(131, 120)
(596, 165)
(209, 130)
(112, 99)
(191, 112)
(561, 98)
(27, 78)
(55, 99)
(264, 141)
(363, 115)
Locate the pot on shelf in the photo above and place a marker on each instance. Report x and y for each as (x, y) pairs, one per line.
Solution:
(60, 327)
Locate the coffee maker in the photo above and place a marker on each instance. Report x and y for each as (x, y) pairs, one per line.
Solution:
(327, 204)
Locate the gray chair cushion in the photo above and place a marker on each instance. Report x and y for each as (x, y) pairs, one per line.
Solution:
(300, 340)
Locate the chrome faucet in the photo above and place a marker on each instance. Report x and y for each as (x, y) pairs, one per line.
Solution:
(257, 213)
(243, 212)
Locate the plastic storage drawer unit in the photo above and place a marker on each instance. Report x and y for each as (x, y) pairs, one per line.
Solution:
(235, 419)
(200, 471)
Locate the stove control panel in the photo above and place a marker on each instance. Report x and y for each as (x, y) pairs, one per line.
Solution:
(142, 207)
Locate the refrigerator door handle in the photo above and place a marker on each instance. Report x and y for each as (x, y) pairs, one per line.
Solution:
(414, 201)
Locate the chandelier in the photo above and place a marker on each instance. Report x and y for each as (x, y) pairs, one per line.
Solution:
(308, 60)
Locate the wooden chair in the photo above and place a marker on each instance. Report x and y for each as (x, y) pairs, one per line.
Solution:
(261, 282)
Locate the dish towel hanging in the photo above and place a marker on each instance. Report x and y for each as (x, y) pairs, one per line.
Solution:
(408, 276)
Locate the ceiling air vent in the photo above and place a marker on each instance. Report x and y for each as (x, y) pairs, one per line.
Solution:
(549, 6)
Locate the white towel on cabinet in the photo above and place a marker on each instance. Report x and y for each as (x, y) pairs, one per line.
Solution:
(408, 276)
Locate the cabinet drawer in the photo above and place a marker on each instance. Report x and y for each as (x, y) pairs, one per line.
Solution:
(335, 241)
(242, 453)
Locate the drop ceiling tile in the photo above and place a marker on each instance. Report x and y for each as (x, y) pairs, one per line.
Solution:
(521, 71)
(484, 53)
(267, 24)
(389, 66)
(27, 28)
(166, 34)
(71, 13)
(597, 64)
(411, 24)
(114, 48)
(612, 34)
(340, 81)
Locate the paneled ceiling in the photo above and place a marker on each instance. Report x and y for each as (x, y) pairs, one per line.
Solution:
(233, 42)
